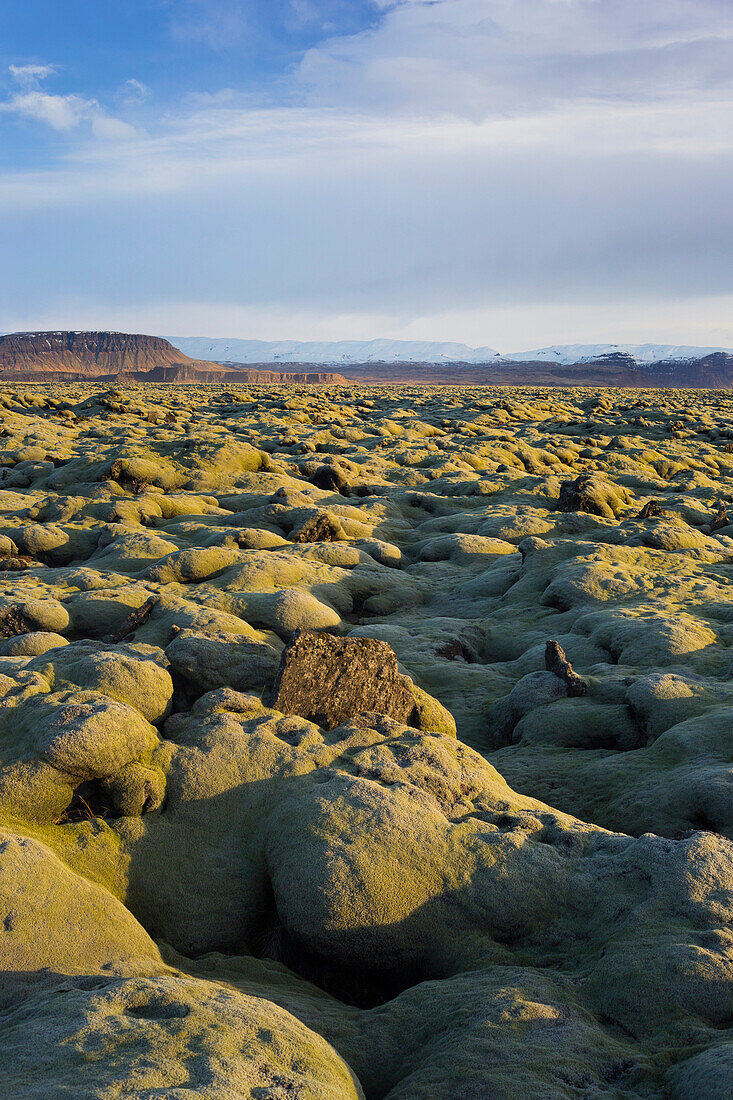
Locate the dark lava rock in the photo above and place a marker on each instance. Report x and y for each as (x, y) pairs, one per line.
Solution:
(576, 497)
(330, 479)
(721, 519)
(457, 651)
(14, 621)
(136, 618)
(651, 510)
(126, 480)
(557, 662)
(318, 528)
(330, 680)
(17, 564)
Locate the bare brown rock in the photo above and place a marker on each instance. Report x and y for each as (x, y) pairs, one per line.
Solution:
(330, 479)
(15, 621)
(134, 620)
(17, 564)
(557, 662)
(651, 510)
(194, 371)
(575, 496)
(329, 680)
(721, 518)
(318, 528)
(594, 495)
(122, 476)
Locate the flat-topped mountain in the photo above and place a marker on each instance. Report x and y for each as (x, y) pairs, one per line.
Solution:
(92, 353)
(76, 356)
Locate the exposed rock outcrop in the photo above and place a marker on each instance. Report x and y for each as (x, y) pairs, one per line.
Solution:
(557, 663)
(89, 354)
(75, 356)
(330, 680)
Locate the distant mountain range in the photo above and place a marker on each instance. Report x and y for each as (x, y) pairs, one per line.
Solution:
(331, 352)
(108, 356)
(345, 352)
(640, 353)
(713, 371)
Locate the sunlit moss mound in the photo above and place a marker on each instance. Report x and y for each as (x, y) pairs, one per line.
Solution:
(296, 800)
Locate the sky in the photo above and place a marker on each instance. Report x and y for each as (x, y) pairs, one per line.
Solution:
(510, 173)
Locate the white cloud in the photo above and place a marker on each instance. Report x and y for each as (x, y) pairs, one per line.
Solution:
(31, 74)
(701, 321)
(134, 92)
(221, 143)
(493, 57)
(111, 129)
(61, 112)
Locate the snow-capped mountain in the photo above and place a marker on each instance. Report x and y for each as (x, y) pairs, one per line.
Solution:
(346, 352)
(341, 351)
(641, 353)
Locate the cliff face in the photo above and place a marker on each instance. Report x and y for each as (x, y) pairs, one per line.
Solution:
(195, 372)
(76, 356)
(92, 353)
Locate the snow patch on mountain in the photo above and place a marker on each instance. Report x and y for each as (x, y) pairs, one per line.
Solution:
(224, 350)
(566, 354)
(345, 352)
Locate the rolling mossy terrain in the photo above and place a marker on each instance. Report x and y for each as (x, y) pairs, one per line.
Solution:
(454, 866)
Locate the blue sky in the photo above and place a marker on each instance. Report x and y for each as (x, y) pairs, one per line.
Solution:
(504, 172)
